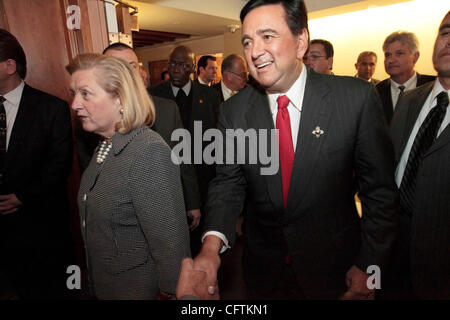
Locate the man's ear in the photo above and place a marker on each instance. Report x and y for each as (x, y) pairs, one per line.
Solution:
(302, 43)
(416, 56)
(330, 63)
(11, 66)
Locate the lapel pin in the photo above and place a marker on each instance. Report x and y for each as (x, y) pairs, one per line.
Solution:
(318, 132)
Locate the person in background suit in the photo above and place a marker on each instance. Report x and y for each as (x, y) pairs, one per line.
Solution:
(167, 120)
(401, 52)
(365, 66)
(319, 56)
(130, 199)
(206, 70)
(234, 77)
(303, 237)
(421, 260)
(36, 152)
(196, 103)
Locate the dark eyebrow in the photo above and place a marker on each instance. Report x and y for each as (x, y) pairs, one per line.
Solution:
(245, 37)
(444, 26)
(259, 32)
(266, 30)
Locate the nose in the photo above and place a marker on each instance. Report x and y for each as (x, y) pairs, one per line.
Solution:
(76, 103)
(257, 49)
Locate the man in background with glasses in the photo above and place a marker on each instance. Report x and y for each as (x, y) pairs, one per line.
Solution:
(234, 77)
(320, 56)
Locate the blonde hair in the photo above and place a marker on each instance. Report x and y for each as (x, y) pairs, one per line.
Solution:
(122, 81)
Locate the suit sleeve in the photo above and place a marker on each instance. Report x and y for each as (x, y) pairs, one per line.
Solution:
(158, 202)
(227, 191)
(57, 159)
(374, 168)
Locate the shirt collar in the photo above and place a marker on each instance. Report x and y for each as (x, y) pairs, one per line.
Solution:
(225, 89)
(295, 92)
(437, 88)
(186, 88)
(409, 84)
(13, 97)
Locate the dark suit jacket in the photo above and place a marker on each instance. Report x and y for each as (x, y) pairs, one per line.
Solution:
(218, 88)
(38, 163)
(384, 90)
(166, 121)
(320, 228)
(205, 106)
(429, 236)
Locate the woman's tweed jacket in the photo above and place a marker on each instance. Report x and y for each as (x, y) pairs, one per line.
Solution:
(133, 219)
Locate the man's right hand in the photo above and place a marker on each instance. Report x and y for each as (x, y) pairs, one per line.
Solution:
(208, 260)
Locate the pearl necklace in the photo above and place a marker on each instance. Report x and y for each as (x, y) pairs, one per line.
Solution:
(103, 152)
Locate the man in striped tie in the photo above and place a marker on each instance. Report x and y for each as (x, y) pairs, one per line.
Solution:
(421, 134)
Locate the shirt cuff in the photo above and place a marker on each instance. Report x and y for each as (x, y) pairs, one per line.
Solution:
(221, 236)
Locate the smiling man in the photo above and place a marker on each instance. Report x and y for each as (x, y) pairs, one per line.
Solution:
(401, 52)
(303, 237)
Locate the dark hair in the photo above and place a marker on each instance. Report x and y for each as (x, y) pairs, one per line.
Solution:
(163, 74)
(329, 51)
(203, 62)
(296, 13)
(118, 46)
(10, 48)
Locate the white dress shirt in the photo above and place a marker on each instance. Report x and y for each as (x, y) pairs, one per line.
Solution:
(186, 89)
(295, 94)
(12, 107)
(409, 85)
(202, 82)
(428, 105)
(227, 93)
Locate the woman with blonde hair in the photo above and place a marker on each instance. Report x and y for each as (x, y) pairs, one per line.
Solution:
(130, 199)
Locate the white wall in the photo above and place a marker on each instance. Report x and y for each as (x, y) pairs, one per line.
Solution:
(354, 32)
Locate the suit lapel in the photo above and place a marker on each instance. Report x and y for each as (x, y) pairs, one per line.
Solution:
(258, 117)
(316, 112)
(416, 104)
(22, 124)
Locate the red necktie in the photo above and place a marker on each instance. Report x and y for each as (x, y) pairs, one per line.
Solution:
(286, 147)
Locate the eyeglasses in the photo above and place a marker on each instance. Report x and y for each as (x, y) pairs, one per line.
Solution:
(313, 57)
(174, 64)
(242, 75)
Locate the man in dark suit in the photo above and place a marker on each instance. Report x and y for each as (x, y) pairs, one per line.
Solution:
(206, 70)
(303, 237)
(198, 105)
(167, 120)
(421, 134)
(35, 162)
(234, 77)
(365, 66)
(401, 52)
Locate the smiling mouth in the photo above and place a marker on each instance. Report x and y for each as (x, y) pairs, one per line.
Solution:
(262, 65)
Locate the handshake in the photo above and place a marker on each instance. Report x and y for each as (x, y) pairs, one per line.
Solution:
(195, 284)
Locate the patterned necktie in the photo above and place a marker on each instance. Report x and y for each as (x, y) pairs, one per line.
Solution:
(286, 147)
(424, 139)
(3, 129)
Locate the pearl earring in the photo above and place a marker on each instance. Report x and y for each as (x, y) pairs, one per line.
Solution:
(121, 110)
